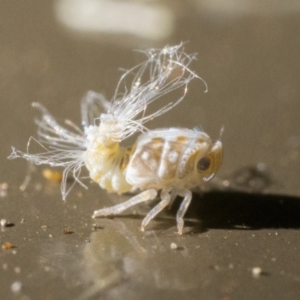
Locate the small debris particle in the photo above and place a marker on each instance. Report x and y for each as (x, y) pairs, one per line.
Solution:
(4, 185)
(17, 270)
(226, 183)
(256, 272)
(67, 230)
(174, 246)
(22, 221)
(7, 246)
(50, 236)
(96, 226)
(3, 222)
(16, 287)
(52, 175)
(215, 267)
(44, 227)
(3, 189)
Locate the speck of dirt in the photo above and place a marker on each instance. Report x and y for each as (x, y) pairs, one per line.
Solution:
(16, 287)
(173, 246)
(7, 246)
(67, 230)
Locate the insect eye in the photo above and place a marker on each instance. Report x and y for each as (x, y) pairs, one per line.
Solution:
(204, 163)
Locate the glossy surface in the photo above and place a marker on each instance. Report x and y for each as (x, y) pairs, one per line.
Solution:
(247, 218)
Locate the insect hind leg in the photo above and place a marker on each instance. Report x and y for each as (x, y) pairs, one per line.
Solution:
(165, 200)
(116, 209)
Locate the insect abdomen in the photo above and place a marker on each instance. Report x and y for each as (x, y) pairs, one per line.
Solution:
(107, 168)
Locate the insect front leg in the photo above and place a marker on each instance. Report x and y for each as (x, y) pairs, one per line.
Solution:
(183, 208)
(116, 209)
(165, 200)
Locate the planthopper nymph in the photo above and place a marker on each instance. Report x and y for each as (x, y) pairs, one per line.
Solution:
(169, 160)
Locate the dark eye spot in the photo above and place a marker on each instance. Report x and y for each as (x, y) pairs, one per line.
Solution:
(204, 163)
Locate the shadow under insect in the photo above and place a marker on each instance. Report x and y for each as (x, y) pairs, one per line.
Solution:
(244, 211)
(233, 210)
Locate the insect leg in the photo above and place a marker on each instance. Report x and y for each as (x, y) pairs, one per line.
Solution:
(173, 197)
(183, 208)
(116, 209)
(165, 200)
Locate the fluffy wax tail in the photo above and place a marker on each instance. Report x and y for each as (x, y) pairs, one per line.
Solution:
(61, 148)
(163, 71)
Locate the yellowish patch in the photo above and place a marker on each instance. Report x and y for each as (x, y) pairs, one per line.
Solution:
(52, 175)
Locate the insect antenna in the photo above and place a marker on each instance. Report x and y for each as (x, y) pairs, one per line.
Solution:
(221, 133)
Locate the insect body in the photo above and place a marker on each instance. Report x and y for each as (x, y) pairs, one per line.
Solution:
(172, 160)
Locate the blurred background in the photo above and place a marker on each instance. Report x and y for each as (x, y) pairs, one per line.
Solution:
(52, 52)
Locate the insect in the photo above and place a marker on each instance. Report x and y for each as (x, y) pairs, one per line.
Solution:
(171, 160)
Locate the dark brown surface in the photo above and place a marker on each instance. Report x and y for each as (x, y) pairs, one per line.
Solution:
(252, 67)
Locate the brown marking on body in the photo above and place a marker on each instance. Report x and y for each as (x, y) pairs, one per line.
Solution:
(126, 157)
(157, 140)
(181, 139)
